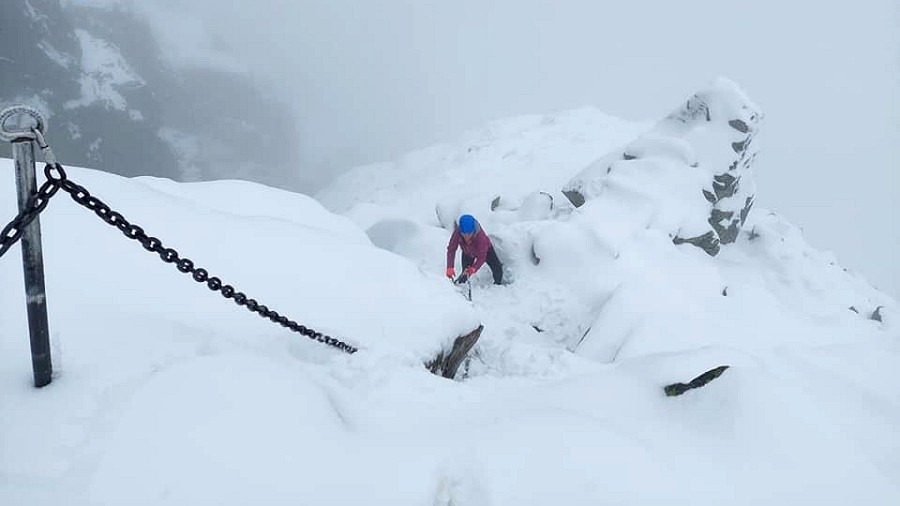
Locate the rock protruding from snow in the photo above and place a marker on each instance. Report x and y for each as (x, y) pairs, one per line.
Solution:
(677, 389)
(446, 363)
(692, 168)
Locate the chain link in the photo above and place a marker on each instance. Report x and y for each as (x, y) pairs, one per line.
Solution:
(38, 202)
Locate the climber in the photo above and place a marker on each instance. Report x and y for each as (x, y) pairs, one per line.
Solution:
(477, 250)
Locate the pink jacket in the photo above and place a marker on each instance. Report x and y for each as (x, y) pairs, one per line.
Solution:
(477, 248)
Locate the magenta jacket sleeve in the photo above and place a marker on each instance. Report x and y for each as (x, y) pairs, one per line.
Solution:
(482, 245)
(452, 246)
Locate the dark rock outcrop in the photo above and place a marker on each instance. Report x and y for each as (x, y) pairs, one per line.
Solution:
(114, 103)
(732, 192)
(676, 389)
(42, 65)
(708, 242)
(446, 363)
(702, 150)
(575, 197)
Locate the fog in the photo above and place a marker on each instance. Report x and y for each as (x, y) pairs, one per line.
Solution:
(370, 80)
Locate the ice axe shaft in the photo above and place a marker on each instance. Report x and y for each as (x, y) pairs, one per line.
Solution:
(463, 278)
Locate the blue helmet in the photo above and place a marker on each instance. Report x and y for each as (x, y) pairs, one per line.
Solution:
(467, 224)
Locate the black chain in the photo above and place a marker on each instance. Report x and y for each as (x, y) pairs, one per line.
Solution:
(35, 204)
(80, 195)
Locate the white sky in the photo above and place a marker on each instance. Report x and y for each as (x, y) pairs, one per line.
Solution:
(371, 80)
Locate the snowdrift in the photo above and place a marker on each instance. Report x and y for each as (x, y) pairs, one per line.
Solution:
(283, 249)
(167, 394)
(692, 170)
(621, 240)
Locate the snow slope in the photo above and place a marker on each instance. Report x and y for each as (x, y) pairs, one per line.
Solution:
(605, 279)
(167, 395)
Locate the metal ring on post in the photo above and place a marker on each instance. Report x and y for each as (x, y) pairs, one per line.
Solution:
(14, 123)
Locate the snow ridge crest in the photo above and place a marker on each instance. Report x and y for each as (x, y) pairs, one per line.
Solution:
(694, 165)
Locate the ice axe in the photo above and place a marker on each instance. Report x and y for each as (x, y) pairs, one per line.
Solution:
(464, 278)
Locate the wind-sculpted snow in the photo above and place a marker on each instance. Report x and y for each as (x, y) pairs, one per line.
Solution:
(282, 249)
(167, 394)
(606, 279)
(510, 159)
(692, 168)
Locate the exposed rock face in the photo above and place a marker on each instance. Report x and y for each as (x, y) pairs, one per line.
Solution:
(732, 189)
(447, 362)
(676, 389)
(113, 103)
(709, 140)
(100, 111)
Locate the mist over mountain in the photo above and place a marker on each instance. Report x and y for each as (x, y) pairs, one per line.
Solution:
(295, 93)
(116, 103)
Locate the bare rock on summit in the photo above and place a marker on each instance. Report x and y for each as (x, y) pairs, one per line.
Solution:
(694, 165)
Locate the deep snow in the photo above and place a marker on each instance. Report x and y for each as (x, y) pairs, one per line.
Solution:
(167, 394)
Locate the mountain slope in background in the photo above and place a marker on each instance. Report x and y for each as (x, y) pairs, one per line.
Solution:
(166, 394)
(115, 103)
(640, 189)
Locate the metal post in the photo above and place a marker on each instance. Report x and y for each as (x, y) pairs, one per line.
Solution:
(32, 254)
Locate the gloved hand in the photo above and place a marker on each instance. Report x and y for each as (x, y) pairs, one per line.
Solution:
(470, 271)
(451, 272)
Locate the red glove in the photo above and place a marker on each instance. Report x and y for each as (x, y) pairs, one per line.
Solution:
(470, 271)
(451, 272)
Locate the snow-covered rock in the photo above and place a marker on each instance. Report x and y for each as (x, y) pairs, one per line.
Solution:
(167, 394)
(693, 169)
(282, 249)
(608, 278)
(115, 101)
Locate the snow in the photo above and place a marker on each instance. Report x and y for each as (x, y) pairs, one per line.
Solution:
(166, 394)
(34, 14)
(673, 169)
(105, 75)
(187, 147)
(57, 57)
